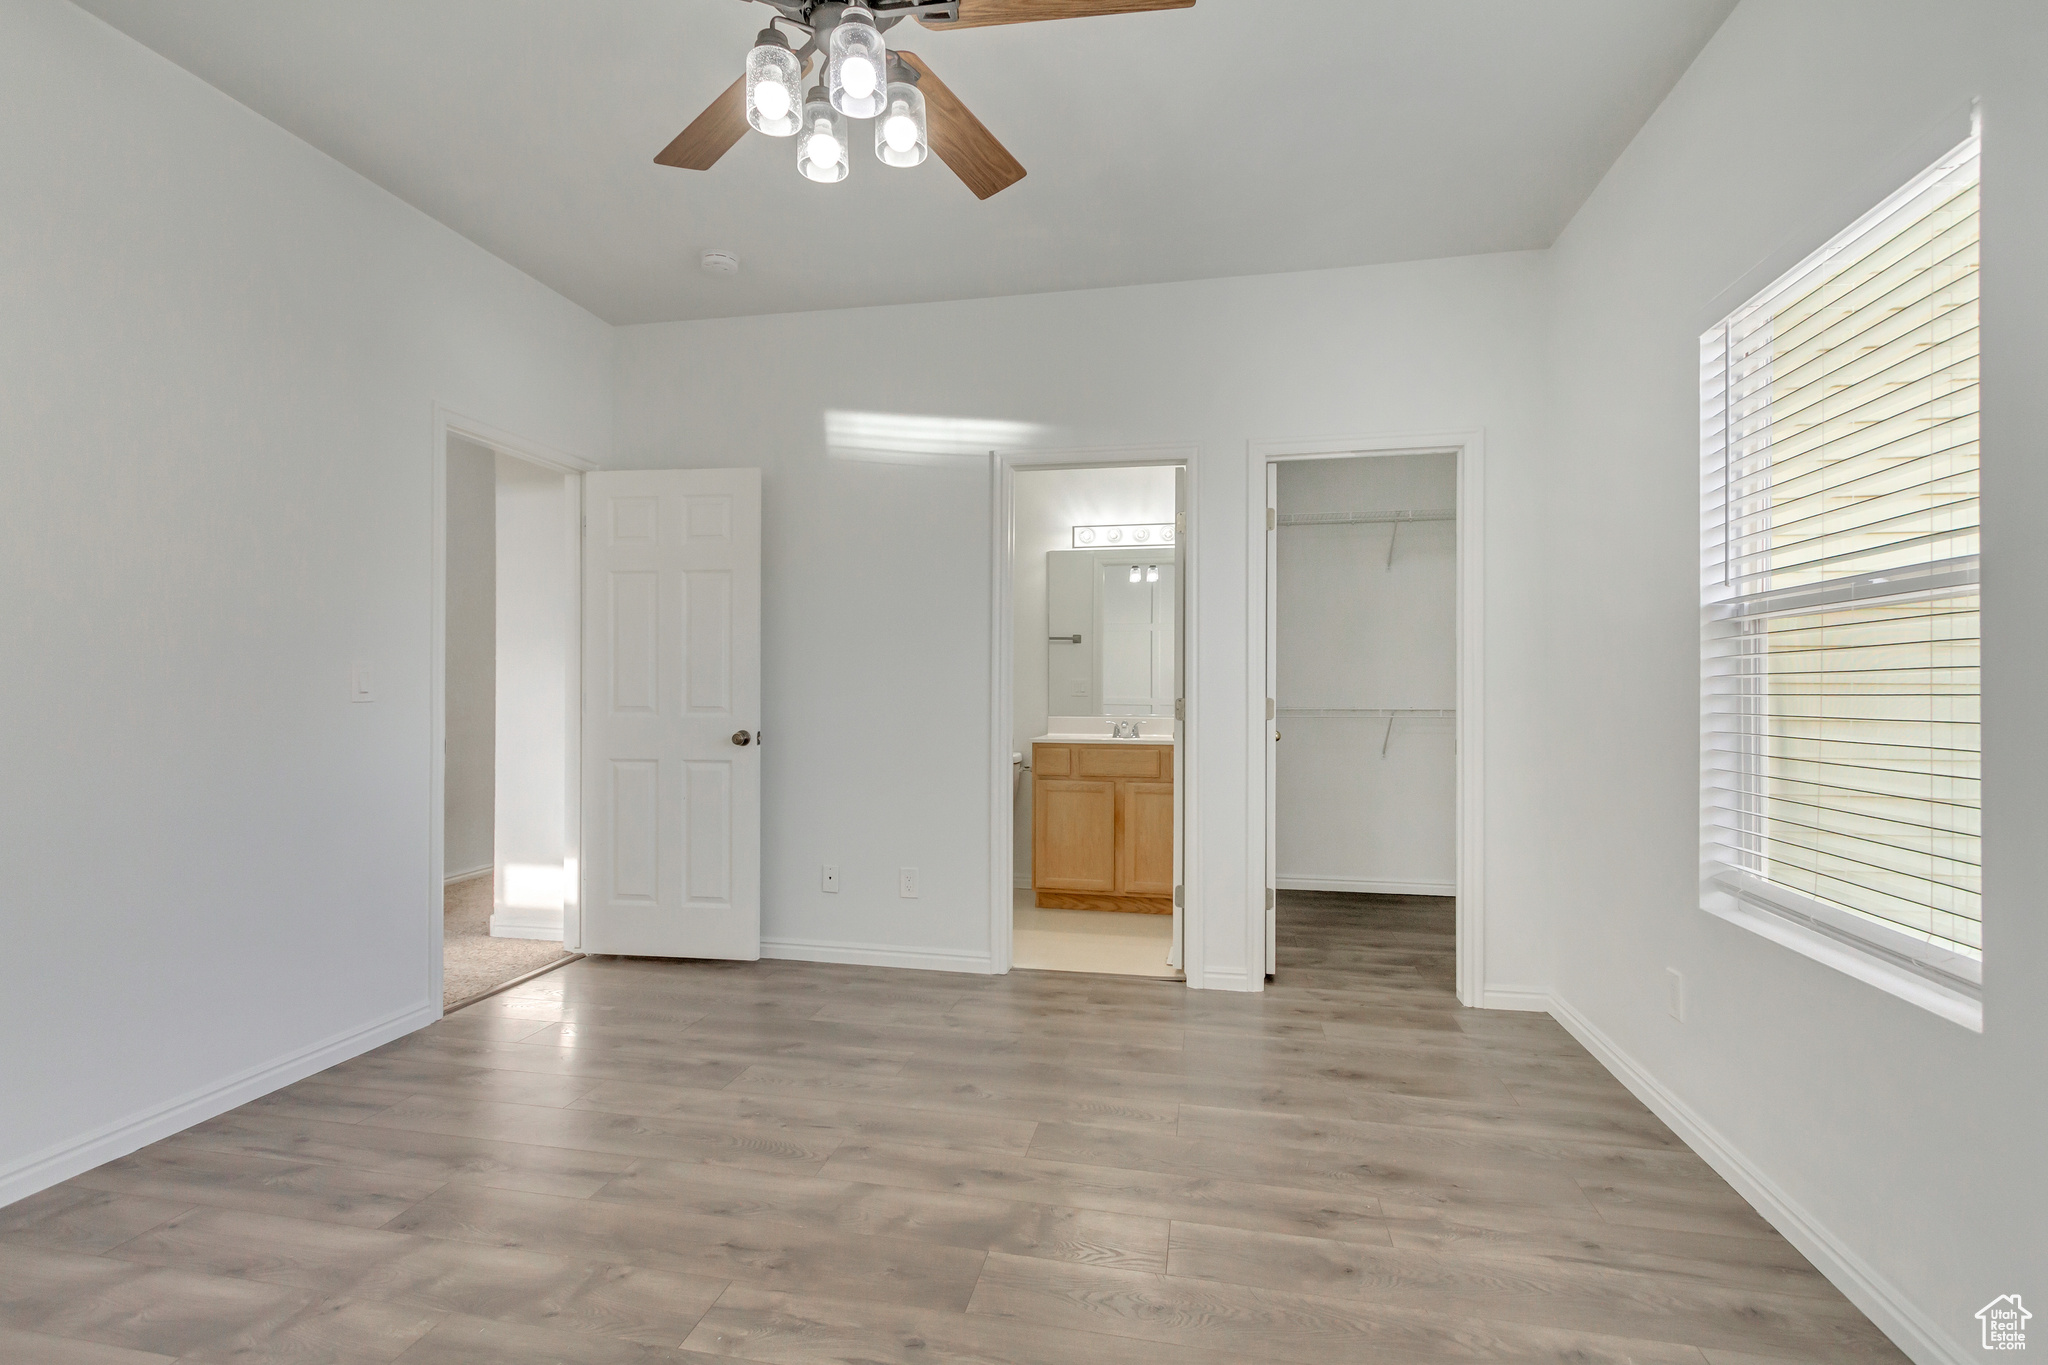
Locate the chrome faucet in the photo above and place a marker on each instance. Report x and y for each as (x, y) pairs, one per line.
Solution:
(1124, 729)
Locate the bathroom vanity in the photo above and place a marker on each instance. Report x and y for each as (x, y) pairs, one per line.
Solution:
(1102, 822)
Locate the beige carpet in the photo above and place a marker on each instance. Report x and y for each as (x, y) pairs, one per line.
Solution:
(472, 962)
(1107, 941)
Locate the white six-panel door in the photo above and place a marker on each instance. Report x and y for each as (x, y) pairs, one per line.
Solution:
(671, 713)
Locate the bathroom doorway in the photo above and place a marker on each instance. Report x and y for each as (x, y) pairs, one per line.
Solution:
(1097, 607)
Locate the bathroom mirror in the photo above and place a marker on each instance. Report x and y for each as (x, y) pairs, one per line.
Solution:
(1109, 617)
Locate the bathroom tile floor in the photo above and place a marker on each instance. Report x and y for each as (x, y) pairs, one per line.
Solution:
(1107, 941)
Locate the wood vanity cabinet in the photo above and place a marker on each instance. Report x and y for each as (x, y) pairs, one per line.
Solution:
(1102, 827)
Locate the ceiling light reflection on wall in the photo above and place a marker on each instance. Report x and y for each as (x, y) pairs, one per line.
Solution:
(1122, 537)
(916, 438)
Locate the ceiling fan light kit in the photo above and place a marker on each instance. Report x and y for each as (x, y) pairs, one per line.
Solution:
(855, 73)
(821, 146)
(914, 112)
(900, 133)
(775, 86)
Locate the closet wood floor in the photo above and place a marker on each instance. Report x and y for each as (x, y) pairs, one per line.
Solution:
(640, 1161)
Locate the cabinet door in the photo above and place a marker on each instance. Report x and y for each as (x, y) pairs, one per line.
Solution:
(1073, 835)
(1138, 760)
(1145, 852)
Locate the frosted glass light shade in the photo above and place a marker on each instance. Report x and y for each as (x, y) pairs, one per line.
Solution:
(857, 75)
(775, 92)
(900, 131)
(821, 142)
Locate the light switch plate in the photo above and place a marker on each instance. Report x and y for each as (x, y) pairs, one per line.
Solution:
(359, 688)
(1676, 985)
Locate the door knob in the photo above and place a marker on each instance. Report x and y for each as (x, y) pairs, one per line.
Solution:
(742, 737)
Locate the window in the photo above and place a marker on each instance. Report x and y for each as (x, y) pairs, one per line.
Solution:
(1839, 804)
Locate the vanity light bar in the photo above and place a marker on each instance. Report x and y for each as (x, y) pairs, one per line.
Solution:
(1120, 537)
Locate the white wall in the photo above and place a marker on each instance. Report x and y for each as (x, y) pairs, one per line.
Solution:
(1359, 808)
(1049, 504)
(1901, 1150)
(537, 529)
(469, 787)
(222, 352)
(877, 554)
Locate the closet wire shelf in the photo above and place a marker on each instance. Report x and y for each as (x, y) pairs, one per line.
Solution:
(1365, 518)
(1386, 713)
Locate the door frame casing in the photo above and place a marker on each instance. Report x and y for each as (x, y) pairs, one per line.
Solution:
(448, 422)
(1470, 449)
(1003, 469)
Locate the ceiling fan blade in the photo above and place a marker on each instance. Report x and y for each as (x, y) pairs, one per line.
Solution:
(981, 13)
(983, 164)
(711, 134)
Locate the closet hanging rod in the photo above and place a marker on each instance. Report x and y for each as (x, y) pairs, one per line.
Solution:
(1358, 518)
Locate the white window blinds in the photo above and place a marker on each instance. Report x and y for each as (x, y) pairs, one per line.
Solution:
(1839, 593)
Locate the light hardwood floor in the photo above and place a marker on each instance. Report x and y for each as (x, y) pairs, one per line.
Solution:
(656, 1162)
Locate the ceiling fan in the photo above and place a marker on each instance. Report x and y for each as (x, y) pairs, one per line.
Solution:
(865, 79)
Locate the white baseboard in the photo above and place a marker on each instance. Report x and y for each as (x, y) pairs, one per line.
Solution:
(545, 925)
(1891, 1310)
(453, 877)
(874, 955)
(1368, 886)
(1232, 980)
(1515, 998)
(75, 1156)
(500, 929)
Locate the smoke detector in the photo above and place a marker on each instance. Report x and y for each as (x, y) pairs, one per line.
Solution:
(720, 263)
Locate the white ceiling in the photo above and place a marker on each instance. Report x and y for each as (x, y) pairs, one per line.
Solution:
(1235, 138)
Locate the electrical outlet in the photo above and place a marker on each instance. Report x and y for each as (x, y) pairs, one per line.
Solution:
(1676, 985)
(831, 878)
(906, 882)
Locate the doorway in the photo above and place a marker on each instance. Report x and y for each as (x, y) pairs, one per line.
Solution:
(1097, 607)
(1365, 691)
(509, 670)
(1368, 559)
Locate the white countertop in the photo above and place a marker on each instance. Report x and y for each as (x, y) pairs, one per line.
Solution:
(1102, 739)
(1095, 730)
